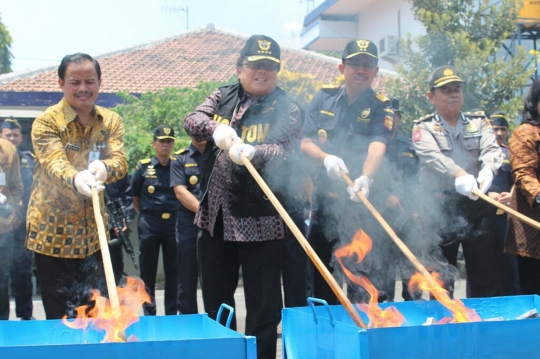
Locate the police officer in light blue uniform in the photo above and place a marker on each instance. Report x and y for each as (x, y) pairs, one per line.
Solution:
(21, 268)
(185, 180)
(157, 205)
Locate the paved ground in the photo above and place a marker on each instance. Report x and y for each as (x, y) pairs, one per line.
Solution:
(39, 314)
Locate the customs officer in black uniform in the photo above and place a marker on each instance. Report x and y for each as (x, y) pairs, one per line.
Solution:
(21, 267)
(500, 191)
(185, 177)
(154, 200)
(350, 123)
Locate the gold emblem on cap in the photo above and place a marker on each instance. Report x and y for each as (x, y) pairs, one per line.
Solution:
(193, 180)
(166, 130)
(365, 113)
(264, 45)
(448, 72)
(323, 136)
(151, 189)
(362, 44)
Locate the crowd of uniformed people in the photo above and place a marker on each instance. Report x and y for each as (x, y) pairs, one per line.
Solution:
(204, 210)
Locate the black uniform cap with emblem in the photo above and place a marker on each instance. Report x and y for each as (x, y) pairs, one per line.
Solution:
(261, 47)
(443, 75)
(11, 123)
(360, 47)
(163, 132)
(499, 119)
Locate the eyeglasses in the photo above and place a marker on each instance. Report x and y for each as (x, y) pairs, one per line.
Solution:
(357, 65)
(260, 65)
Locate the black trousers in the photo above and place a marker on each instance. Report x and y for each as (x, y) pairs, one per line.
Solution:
(187, 275)
(156, 233)
(117, 258)
(67, 283)
(219, 264)
(21, 274)
(295, 268)
(509, 262)
(6, 250)
(470, 223)
(529, 269)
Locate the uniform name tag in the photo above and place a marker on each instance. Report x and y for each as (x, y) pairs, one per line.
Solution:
(69, 146)
(473, 135)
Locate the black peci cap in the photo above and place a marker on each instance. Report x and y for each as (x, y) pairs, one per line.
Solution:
(359, 47)
(11, 123)
(261, 47)
(163, 132)
(499, 119)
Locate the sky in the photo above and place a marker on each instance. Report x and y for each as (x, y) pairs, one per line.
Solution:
(43, 31)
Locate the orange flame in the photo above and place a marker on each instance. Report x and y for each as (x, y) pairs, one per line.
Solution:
(361, 245)
(103, 317)
(460, 313)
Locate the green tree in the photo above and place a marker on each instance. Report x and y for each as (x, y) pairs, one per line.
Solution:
(467, 34)
(5, 49)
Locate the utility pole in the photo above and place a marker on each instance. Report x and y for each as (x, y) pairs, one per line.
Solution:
(177, 10)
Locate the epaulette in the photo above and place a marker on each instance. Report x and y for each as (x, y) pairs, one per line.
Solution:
(382, 97)
(476, 114)
(32, 154)
(173, 158)
(181, 151)
(145, 161)
(427, 117)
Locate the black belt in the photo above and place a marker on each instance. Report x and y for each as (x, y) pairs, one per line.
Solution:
(159, 214)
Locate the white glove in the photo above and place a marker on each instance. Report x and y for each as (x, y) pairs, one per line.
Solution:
(485, 178)
(99, 170)
(333, 165)
(465, 184)
(84, 180)
(241, 148)
(2, 198)
(224, 136)
(362, 183)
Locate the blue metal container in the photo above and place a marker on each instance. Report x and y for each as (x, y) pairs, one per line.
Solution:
(178, 336)
(328, 332)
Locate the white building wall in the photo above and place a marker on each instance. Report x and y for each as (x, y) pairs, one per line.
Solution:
(381, 19)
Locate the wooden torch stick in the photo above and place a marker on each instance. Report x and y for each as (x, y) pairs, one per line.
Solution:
(109, 274)
(305, 244)
(406, 251)
(507, 209)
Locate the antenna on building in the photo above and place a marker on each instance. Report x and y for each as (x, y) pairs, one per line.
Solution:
(310, 4)
(177, 10)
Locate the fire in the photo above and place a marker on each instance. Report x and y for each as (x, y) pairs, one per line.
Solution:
(361, 245)
(460, 313)
(102, 317)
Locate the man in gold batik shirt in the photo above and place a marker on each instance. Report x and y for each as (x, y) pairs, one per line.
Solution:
(10, 198)
(78, 146)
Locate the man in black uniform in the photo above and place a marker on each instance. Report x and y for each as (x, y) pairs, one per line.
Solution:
(500, 191)
(351, 122)
(21, 267)
(185, 175)
(154, 200)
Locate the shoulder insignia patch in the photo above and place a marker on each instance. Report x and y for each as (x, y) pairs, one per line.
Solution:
(425, 118)
(331, 89)
(181, 151)
(330, 86)
(32, 154)
(382, 97)
(475, 114)
(145, 161)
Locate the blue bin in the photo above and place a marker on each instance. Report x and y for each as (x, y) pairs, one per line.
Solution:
(329, 332)
(178, 336)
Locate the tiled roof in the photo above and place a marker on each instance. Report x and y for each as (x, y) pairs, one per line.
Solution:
(180, 61)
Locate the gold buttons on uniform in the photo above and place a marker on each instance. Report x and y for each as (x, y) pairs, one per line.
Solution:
(151, 189)
(323, 136)
(165, 216)
(193, 180)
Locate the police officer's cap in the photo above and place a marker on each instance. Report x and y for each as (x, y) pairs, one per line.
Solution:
(261, 47)
(163, 132)
(480, 111)
(444, 75)
(11, 123)
(395, 105)
(499, 119)
(359, 47)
